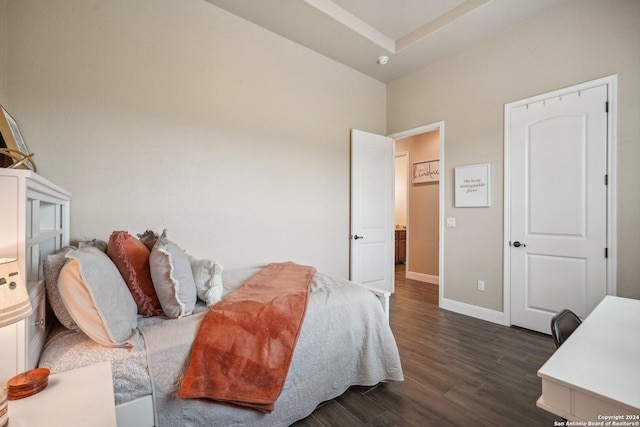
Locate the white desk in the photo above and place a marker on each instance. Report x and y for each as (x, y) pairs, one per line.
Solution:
(596, 372)
(80, 397)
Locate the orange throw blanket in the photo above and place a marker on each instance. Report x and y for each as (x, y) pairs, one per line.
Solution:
(245, 343)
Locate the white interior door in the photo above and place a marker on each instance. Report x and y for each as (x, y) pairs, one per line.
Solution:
(558, 236)
(372, 210)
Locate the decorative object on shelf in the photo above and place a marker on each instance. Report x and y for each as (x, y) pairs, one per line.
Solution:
(18, 159)
(473, 186)
(14, 306)
(12, 145)
(426, 171)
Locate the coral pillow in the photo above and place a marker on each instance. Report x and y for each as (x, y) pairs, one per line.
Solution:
(131, 257)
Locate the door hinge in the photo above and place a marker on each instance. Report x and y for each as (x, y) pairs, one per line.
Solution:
(606, 179)
(606, 252)
(606, 107)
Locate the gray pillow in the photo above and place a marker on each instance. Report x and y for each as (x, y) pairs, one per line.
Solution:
(172, 278)
(52, 265)
(97, 298)
(100, 244)
(149, 239)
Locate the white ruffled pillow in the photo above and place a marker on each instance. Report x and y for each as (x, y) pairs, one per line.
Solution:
(172, 278)
(208, 277)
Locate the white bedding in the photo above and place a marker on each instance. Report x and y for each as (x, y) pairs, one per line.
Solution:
(345, 340)
(66, 350)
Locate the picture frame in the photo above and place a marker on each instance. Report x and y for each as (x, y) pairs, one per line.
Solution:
(473, 186)
(12, 143)
(428, 171)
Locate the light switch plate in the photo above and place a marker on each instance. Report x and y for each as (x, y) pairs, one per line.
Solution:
(451, 222)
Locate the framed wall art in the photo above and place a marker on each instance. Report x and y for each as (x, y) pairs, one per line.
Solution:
(473, 186)
(426, 172)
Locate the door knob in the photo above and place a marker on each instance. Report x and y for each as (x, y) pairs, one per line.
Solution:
(518, 244)
(356, 237)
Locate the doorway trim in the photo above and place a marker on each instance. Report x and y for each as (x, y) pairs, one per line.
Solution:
(415, 131)
(407, 161)
(612, 96)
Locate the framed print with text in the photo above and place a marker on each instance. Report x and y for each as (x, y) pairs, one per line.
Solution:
(426, 172)
(473, 186)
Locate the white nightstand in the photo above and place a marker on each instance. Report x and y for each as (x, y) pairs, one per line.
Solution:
(80, 397)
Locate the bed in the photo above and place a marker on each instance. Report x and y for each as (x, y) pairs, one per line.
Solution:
(344, 340)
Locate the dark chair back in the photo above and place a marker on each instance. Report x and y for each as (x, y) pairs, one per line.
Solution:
(562, 325)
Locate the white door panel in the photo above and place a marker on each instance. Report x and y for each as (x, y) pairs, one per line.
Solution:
(550, 143)
(562, 277)
(558, 207)
(372, 210)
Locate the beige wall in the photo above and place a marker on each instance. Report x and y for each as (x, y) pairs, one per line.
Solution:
(4, 34)
(424, 201)
(400, 194)
(158, 113)
(178, 115)
(580, 41)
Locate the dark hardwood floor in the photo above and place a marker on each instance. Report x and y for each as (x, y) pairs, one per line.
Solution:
(459, 371)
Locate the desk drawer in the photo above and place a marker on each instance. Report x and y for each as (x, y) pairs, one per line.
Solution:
(588, 408)
(557, 395)
(577, 405)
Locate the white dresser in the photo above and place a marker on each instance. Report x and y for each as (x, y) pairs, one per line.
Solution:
(34, 222)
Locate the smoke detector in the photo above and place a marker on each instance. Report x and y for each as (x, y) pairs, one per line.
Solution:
(382, 60)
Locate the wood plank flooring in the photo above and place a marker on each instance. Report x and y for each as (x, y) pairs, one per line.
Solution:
(459, 371)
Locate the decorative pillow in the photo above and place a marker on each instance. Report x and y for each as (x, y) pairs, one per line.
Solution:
(52, 265)
(100, 244)
(172, 278)
(149, 238)
(131, 257)
(208, 277)
(97, 298)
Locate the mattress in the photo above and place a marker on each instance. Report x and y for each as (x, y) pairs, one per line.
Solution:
(70, 349)
(66, 349)
(345, 340)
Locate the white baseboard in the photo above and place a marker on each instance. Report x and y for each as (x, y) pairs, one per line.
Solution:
(474, 311)
(421, 277)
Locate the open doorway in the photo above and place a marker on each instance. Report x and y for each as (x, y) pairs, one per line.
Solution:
(418, 204)
(401, 205)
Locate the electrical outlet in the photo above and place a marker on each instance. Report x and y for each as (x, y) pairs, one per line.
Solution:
(481, 285)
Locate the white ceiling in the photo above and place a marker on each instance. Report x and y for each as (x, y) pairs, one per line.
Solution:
(412, 33)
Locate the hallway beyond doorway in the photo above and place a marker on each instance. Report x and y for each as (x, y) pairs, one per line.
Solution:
(422, 291)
